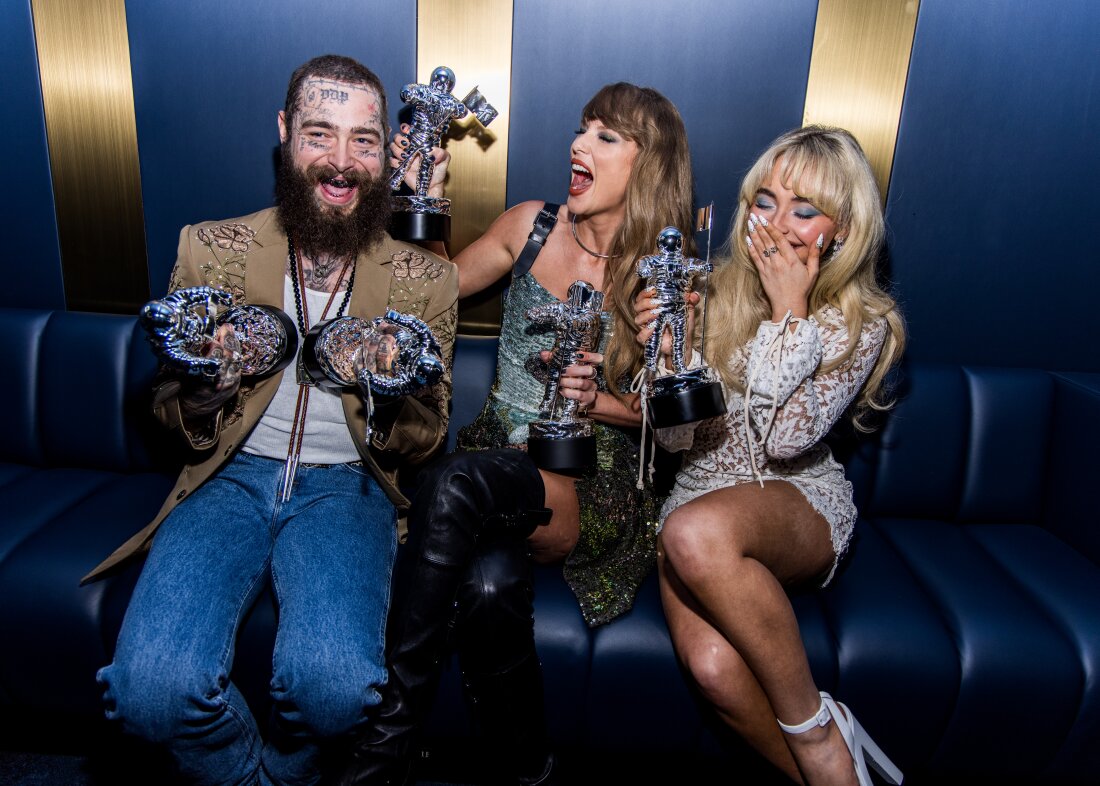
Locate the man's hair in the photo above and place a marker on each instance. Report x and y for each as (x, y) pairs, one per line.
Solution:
(340, 69)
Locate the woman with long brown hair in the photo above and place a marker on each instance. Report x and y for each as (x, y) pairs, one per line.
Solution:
(482, 514)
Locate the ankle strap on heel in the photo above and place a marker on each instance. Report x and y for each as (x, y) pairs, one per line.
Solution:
(820, 718)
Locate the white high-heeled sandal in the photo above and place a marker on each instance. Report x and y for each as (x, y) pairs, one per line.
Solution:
(863, 749)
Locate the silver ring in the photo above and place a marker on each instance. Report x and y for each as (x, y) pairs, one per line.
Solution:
(767, 252)
(772, 250)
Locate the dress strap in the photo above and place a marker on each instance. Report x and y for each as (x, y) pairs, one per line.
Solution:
(544, 222)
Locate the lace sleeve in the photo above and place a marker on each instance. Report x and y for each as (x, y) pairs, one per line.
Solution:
(790, 404)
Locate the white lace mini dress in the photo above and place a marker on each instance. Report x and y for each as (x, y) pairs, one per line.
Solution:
(775, 432)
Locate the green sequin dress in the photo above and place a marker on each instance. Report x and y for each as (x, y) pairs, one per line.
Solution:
(618, 522)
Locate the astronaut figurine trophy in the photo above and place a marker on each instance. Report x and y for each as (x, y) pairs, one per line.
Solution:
(181, 329)
(392, 355)
(687, 394)
(562, 440)
(417, 216)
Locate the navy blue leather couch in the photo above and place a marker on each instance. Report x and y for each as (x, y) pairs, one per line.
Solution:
(964, 630)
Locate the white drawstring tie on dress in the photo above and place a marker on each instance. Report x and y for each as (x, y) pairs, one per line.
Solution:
(781, 337)
(638, 385)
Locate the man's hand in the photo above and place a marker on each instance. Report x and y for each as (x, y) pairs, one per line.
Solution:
(202, 397)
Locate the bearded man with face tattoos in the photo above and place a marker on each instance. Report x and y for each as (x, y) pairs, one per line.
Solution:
(324, 537)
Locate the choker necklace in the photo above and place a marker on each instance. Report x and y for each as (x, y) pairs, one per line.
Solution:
(586, 248)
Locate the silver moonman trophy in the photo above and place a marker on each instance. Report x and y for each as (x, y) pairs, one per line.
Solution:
(181, 326)
(686, 395)
(418, 216)
(393, 355)
(562, 439)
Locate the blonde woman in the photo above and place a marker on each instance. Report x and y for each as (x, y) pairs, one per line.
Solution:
(801, 334)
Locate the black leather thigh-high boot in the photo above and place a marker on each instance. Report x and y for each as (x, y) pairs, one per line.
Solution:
(501, 671)
(455, 498)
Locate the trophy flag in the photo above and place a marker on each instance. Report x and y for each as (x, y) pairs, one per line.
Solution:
(485, 112)
(703, 218)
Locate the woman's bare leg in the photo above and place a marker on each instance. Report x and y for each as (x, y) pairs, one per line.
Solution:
(553, 542)
(734, 551)
(722, 675)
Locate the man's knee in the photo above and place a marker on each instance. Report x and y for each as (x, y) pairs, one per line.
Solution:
(156, 700)
(325, 698)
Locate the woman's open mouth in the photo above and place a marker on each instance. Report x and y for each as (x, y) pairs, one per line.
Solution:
(581, 180)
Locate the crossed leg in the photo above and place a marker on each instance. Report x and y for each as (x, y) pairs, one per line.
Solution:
(726, 559)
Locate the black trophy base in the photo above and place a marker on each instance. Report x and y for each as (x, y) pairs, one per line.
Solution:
(575, 456)
(309, 369)
(416, 227)
(687, 405)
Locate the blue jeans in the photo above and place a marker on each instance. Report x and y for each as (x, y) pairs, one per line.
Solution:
(329, 553)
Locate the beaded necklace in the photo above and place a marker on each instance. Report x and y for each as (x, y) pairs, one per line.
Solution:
(301, 309)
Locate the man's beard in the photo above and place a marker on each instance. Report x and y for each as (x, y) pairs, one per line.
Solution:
(321, 230)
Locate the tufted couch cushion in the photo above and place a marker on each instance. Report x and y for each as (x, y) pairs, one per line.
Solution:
(964, 629)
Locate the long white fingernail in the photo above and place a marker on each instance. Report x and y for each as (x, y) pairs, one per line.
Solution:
(821, 240)
(748, 240)
(763, 221)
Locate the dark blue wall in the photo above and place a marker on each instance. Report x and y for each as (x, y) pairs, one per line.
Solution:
(210, 78)
(995, 175)
(992, 232)
(737, 76)
(31, 263)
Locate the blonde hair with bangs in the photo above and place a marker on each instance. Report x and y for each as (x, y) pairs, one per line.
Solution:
(827, 166)
(658, 194)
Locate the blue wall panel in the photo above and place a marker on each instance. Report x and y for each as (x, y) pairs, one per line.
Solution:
(209, 80)
(994, 232)
(736, 72)
(992, 236)
(31, 263)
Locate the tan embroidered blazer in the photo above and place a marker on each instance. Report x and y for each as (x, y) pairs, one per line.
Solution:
(248, 257)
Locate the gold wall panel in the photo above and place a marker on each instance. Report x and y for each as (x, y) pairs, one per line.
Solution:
(858, 69)
(474, 39)
(88, 98)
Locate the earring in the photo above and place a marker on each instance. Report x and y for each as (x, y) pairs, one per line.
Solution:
(835, 246)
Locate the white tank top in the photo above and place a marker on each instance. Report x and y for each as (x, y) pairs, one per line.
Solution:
(326, 438)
